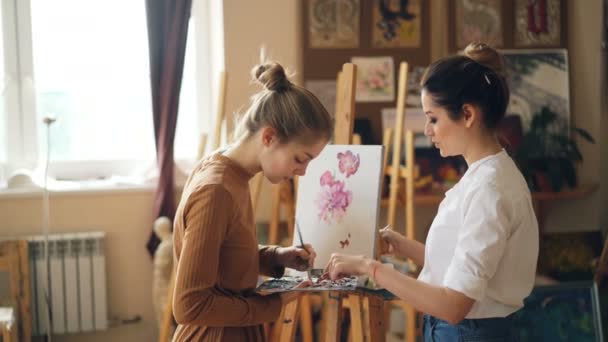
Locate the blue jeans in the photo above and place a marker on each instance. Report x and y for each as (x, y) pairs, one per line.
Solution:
(469, 330)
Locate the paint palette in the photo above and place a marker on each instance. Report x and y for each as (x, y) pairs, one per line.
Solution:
(288, 283)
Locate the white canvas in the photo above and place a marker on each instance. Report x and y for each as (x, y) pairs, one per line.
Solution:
(338, 201)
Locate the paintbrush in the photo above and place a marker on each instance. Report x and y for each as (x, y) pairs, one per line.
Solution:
(303, 246)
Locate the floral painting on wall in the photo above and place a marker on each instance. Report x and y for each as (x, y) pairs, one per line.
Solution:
(375, 79)
(338, 201)
(396, 23)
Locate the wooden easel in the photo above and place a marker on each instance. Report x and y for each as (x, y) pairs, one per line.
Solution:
(165, 328)
(283, 195)
(407, 174)
(365, 311)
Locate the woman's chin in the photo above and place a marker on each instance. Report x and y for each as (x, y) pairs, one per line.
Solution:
(443, 153)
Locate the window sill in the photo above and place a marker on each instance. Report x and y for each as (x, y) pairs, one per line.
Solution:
(88, 187)
(114, 184)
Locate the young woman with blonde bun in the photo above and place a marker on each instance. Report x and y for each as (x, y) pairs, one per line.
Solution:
(216, 251)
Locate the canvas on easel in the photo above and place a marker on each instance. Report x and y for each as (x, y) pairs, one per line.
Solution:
(337, 212)
(338, 201)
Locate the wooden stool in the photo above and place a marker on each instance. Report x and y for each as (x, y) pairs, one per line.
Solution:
(8, 326)
(14, 261)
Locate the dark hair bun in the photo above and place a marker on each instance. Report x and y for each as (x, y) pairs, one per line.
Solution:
(484, 54)
(272, 76)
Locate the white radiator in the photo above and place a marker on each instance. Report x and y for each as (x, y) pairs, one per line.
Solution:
(77, 284)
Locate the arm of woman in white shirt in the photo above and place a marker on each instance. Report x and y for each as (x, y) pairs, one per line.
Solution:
(441, 302)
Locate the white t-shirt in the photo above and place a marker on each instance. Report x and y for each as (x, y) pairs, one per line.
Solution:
(484, 240)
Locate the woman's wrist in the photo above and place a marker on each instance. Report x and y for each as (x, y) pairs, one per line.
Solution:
(371, 266)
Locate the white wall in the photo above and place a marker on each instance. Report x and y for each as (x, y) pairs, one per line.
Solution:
(126, 219)
(584, 48)
(248, 26)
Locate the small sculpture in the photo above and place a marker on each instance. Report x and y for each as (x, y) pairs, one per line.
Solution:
(163, 264)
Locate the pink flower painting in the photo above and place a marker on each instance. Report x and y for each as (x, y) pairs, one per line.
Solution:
(333, 199)
(348, 163)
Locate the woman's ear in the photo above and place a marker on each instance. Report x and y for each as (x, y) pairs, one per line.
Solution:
(269, 135)
(471, 114)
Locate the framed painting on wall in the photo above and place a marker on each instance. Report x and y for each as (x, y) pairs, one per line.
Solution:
(539, 23)
(333, 23)
(396, 24)
(476, 21)
(537, 79)
(375, 79)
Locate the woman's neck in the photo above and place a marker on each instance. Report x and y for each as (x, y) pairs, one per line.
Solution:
(245, 153)
(485, 146)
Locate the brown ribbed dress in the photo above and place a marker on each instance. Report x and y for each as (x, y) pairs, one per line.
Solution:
(218, 259)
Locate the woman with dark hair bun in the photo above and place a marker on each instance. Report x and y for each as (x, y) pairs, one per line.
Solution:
(479, 260)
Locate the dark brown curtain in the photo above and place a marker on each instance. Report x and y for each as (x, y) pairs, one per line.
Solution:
(167, 33)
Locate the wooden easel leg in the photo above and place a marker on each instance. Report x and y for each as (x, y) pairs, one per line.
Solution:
(387, 316)
(288, 199)
(273, 230)
(267, 331)
(285, 328)
(357, 318)
(332, 316)
(306, 319)
(374, 309)
(410, 320)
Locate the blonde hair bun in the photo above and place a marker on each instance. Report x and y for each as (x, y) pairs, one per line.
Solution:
(485, 55)
(271, 75)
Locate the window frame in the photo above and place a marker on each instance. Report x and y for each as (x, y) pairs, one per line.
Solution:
(23, 149)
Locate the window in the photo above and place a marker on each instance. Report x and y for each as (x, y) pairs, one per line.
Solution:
(202, 66)
(86, 63)
(3, 142)
(92, 73)
(186, 142)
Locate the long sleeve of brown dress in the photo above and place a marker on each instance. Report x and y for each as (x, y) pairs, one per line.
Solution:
(218, 259)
